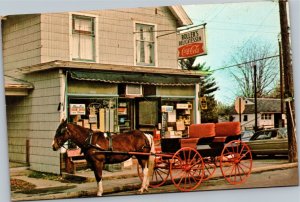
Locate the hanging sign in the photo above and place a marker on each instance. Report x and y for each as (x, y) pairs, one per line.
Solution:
(191, 44)
(203, 103)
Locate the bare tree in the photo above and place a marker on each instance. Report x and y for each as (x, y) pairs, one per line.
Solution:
(267, 68)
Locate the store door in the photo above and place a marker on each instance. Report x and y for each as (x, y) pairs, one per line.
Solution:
(147, 113)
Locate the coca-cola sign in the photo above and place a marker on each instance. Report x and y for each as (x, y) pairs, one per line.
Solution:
(191, 44)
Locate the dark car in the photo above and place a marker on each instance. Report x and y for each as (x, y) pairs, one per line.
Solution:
(269, 142)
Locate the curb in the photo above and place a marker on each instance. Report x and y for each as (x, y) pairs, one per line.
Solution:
(254, 170)
(135, 186)
(264, 169)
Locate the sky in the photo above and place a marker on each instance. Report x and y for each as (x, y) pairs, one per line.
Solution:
(229, 26)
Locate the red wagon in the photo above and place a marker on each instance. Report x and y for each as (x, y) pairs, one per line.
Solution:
(189, 161)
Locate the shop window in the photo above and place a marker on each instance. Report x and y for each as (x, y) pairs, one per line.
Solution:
(97, 114)
(176, 118)
(145, 44)
(83, 38)
(125, 115)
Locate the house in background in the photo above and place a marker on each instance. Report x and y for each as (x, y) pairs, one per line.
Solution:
(268, 113)
(120, 66)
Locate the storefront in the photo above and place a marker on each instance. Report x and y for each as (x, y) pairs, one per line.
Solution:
(111, 101)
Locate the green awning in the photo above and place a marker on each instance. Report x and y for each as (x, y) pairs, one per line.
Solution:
(136, 78)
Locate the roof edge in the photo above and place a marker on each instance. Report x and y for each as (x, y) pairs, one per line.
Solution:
(59, 64)
(181, 15)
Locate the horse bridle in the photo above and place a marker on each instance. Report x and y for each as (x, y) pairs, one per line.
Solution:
(63, 130)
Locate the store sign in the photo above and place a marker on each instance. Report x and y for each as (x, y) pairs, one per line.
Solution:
(77, 109)
(191, 44)
(92, 118)
(183, 106)
(203, 103)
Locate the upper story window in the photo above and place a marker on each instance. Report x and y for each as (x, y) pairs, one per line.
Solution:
(266, 116)
(145, 44)
(83, 38)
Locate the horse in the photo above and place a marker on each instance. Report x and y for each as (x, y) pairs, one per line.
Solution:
(92, 143)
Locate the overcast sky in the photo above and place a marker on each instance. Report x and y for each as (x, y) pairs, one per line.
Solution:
(232, 25)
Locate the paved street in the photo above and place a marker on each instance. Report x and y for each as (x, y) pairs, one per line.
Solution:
(265, 179)
(266, 172)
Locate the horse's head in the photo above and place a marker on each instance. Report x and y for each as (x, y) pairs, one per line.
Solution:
(61, 135)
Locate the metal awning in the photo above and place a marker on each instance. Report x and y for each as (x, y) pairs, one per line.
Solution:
(136, 78)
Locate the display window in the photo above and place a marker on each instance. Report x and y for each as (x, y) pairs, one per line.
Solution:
(98, 114)
(176, 117)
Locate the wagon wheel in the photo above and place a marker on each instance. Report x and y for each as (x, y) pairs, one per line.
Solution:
(160, 173)
(236, 162)
(186, 169)
(209, 167)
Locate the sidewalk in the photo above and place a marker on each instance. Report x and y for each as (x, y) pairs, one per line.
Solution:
(125, 180)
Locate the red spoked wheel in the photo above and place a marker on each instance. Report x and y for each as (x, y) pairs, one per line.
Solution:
(160, 173)
(209, 167)
(236, 162)
(187, 169)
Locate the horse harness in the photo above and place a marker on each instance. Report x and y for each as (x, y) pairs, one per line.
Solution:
(88, 143)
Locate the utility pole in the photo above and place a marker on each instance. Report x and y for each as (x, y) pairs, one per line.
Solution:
(288, 80)
(255, 97)
(282, 124)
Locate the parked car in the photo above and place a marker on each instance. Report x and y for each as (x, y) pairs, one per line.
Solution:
(269, 142)
(246, 135)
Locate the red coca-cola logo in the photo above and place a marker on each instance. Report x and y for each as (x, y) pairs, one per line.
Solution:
(190, 50)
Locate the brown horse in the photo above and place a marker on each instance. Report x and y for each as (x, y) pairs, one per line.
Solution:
(96, 148)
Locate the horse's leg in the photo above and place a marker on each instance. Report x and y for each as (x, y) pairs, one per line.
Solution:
(149, 171)
(98, 166)
(144, 166)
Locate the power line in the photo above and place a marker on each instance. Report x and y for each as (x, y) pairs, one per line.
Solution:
(242, 30)
(265, 58)
(268, 14)
(218, 13)
(234, 23)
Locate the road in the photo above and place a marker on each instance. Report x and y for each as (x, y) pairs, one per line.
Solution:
(287, 177)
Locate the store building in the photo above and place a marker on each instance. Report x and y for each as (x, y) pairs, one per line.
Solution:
(112, 70)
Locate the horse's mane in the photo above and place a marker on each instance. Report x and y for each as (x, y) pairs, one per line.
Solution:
(101, 134)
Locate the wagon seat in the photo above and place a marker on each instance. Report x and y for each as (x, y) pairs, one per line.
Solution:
(199, 134)
(226, 132)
